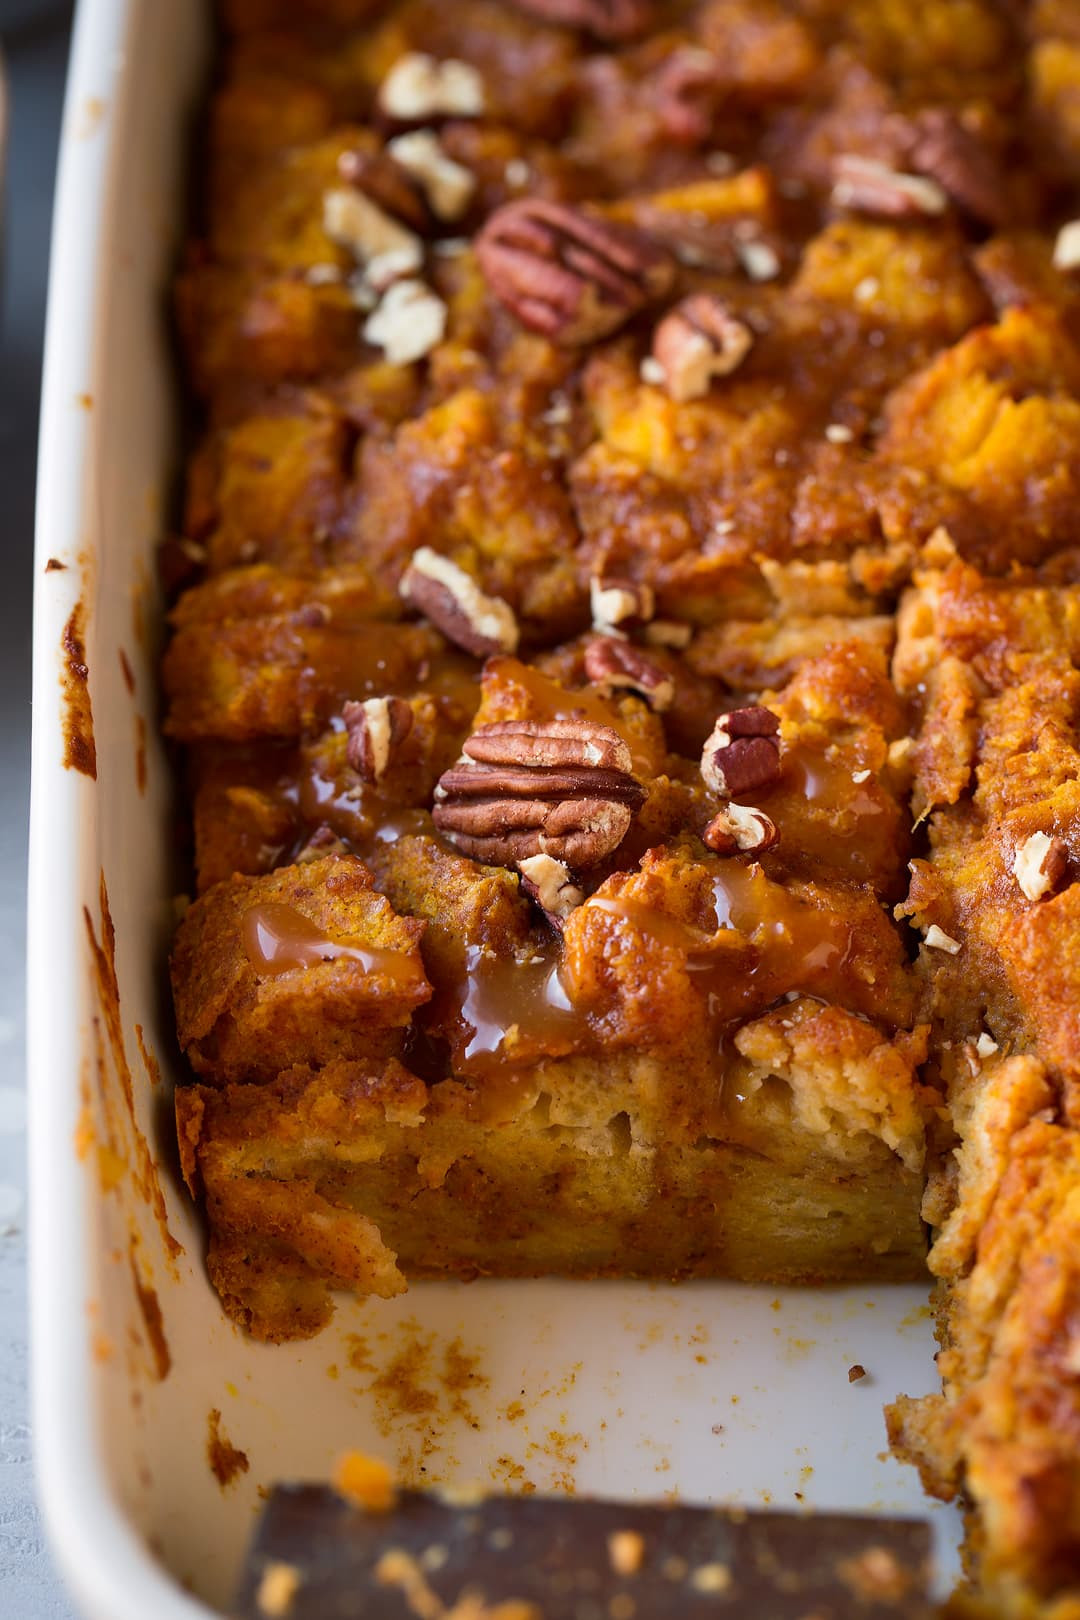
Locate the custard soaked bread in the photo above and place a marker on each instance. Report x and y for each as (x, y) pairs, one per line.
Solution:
(624, 652)
(680, 1062)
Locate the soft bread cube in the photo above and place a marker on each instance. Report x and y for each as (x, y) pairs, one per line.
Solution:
(304, 964)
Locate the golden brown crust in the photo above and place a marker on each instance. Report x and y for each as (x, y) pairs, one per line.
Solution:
(237, 1022)
(733, 1008)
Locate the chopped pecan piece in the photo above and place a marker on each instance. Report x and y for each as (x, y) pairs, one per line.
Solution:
(322, 842)
(448, 186)
(388, 184)
(669, 633)
(1067, 246)
(409, 322)
(740, 829)
(959, 162)
(377, 728)
(539, 787)
(611, 663)
(938, 940)
(455, 604)
(742, 752)
(869, 187)
(620, 604)
(419, 87)
(1039, 865)
(607, 19)
(696, 341)
(351, 219)
(550, 883)
(566, 273)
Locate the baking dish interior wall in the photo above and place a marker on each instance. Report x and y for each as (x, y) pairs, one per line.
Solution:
(162, 1354)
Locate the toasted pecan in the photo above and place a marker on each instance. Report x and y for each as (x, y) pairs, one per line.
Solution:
(529, 787)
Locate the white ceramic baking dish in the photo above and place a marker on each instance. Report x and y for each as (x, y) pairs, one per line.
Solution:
(709, 1391)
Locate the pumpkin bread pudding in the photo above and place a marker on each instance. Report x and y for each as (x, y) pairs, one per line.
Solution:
(626, 659)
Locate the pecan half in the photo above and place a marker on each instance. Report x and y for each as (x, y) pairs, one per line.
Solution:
(607, 19)
(448, 186)
(869, 187)
(740, 829)
(613, 664)
(959, 162)
(419, 87)
(696, 341)
(742, 752)
(408, 323)
(455, 604)
(1039, 865)
(377, 727)
(620, 604)
(388, 184)
(568, 274)
(539, 787)
(551, 885)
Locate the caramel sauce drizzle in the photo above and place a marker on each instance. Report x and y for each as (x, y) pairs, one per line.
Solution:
(357, 813)
(764, 942)
(279, 939)
(858, 831)
(526, 1000)
(550, 701)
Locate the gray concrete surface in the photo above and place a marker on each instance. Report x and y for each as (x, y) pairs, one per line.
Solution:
(34, 40)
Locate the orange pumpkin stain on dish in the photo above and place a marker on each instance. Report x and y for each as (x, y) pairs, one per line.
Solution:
(80, 750)
(226, 1461)
(85, 1135)
(102, 1347)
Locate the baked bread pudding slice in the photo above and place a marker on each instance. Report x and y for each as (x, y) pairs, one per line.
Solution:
(671, 1042)
(624, 654)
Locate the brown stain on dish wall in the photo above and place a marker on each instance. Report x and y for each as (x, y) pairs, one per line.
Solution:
(80, 751)
(153, 1321)
(140, 723)
(143, 1166)
(140, 754)
(55, 566)
(150, 1062)
(226, 1460)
